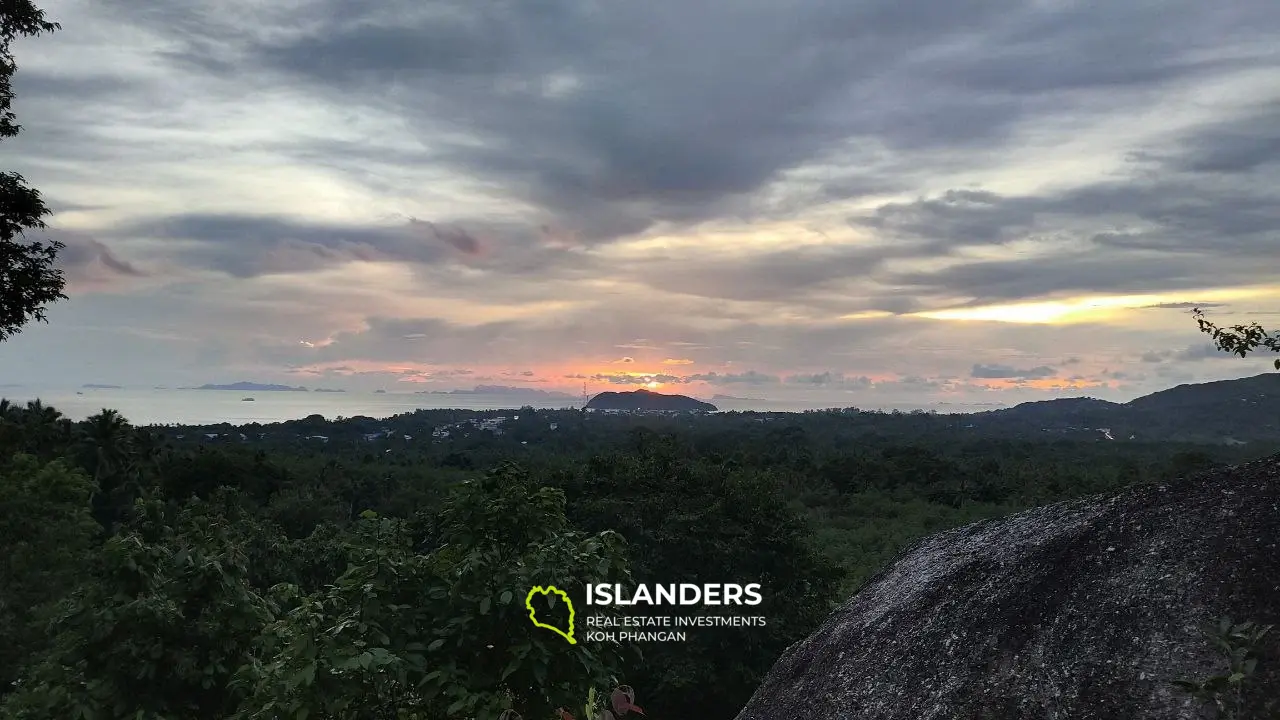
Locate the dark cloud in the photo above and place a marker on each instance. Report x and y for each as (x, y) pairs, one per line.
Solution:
(1239, 145)
(828, 379)
(611, 120)
(824, 378)
(1008, 372)
(1196, 236)
(246, 246)
(89, 264)
(1066, 47)
(751, 377)
(80, 252)
(456, 238)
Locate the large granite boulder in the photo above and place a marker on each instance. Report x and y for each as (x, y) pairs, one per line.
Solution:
(1084, 610)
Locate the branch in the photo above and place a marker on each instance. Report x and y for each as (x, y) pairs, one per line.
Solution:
(1239, 339)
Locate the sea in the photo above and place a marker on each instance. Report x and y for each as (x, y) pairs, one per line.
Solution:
(210, 407)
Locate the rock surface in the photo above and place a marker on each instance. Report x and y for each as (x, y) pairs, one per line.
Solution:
(1082, 610)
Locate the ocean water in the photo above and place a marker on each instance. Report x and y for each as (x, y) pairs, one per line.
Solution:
(207, 407)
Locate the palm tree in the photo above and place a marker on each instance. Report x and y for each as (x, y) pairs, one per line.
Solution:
(108, 439)
(44, 429)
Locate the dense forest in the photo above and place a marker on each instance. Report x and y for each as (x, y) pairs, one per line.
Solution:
(376, 568)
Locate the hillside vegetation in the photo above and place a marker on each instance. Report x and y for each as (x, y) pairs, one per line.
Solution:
(371, 568)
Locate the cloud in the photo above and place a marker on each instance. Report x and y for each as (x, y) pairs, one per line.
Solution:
(1192, 353)
(625, 379)
(81, 253)
(751, 377)
(1239, 145)
(456, 238)
(1186, 305)
(1199, 352)
(779, 187)
(1007, 372)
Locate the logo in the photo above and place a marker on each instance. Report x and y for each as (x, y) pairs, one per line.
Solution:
(554, 592)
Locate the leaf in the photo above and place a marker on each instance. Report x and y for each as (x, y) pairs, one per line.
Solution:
(436, 644)
(484, 606)
(505, 597)
(305, 676)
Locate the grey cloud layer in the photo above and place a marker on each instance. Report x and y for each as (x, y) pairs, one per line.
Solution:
(591, 122)
(613, 118)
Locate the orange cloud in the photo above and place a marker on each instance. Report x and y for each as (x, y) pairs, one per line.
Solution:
(677, 361)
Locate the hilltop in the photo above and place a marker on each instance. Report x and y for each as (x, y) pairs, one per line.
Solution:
(1222, 411)
(648, 401)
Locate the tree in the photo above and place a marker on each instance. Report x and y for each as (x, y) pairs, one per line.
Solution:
(46, 536)
(28, 278)
(687, 521)
(156, 631)
(441, 634)
(1239, 339)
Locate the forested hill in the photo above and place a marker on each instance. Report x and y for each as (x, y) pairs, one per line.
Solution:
(643, 400)
(1243, 410)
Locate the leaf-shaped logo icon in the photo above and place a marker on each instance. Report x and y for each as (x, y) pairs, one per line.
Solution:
(554, 592)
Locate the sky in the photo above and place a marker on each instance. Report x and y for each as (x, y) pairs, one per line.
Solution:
(872, 201)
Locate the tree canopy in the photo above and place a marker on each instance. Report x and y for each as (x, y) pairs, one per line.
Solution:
(29, 278)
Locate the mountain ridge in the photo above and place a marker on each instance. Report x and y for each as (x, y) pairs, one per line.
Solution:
(1221, 410)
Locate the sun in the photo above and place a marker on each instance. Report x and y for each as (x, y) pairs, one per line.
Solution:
(653, 384)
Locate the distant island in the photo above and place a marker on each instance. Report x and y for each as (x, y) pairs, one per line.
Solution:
(258, 387)
(734, 397)
(328, 390)
(646, 400)
(96, 386)
(502, 390)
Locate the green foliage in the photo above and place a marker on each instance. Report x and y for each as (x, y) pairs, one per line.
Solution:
(1227, 694)
(29, 279)
(261, 575)
(440, 634)
(158, 634)
(696, 522)
(46, 535)
(1239, 339)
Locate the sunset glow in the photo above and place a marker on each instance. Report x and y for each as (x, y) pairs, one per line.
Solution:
(940, 221)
